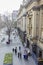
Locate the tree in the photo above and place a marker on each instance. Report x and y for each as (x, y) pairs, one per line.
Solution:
(8, 24)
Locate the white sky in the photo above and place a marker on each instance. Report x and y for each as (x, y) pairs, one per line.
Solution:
(9, 5)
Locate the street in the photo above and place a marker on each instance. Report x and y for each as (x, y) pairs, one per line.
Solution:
(15, 42)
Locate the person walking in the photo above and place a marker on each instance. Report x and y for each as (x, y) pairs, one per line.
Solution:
(16, 50)
(19, 53)
(13, 49)
(25, 54)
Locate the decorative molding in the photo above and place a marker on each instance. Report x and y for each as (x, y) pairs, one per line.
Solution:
(36, 8)
(31, 1)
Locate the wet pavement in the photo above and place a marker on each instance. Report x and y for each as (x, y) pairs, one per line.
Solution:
(16, 42)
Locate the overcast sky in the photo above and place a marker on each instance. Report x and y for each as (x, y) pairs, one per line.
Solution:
(9, 5)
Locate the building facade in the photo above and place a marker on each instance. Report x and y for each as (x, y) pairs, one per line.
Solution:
(30, 21)
(34, 26)
(21, 21)
(14, 17)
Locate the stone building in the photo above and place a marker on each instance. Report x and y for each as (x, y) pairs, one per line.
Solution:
(21, 21)
(14, 17)
(30, 23)
(34, 26)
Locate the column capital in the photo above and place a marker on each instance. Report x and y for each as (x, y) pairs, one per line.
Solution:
(29, 14)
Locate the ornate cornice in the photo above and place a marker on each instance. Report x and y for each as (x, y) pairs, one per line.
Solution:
(36, 8)
(20, 9)
(31, 1)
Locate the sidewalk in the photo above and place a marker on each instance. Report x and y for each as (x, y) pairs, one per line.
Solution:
(16, 42)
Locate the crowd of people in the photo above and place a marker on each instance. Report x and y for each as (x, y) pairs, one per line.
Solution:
(19, 53)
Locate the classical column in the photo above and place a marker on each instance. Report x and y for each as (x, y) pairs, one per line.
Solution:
(27, 26)
(24, 23)
(35, 22)
(41, 21)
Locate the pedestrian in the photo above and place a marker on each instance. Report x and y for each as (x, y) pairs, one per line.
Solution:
(16, 50)
(13, 49)
(19, 48)
(25, 54)
(19, 53)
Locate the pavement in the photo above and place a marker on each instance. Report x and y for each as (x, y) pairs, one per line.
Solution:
(15, 42)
